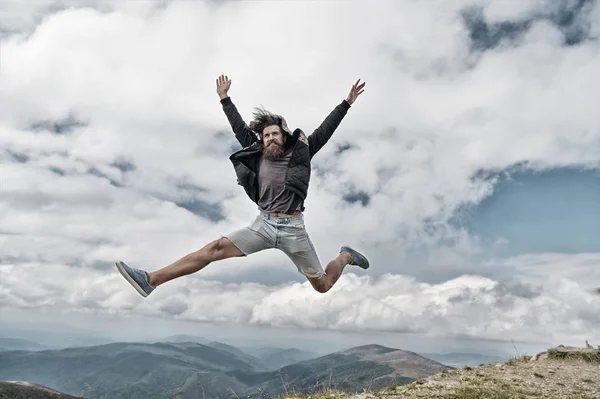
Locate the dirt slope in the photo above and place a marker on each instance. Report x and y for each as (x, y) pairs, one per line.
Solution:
(559, 373)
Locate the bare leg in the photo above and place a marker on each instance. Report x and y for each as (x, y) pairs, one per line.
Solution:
(195, 261)
(333, 271)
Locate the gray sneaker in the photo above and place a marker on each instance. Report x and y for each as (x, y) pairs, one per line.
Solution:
(136, 277)
(357, 258)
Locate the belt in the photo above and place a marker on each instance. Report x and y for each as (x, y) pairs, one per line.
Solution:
(283, 215)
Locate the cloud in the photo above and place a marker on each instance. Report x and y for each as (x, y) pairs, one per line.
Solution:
(113, 144)
(21, 17)
(63, 126)
(419, 165)
(506, 24)
(557, 298)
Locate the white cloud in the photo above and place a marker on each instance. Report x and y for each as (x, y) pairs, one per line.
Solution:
(141, 77)
(560, 303)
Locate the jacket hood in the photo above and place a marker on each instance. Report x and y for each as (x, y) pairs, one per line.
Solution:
(285, 126)
(292, 136)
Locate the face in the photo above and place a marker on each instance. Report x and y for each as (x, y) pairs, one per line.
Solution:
(273, 142)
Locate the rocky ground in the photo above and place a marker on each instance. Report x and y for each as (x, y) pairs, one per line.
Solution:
(26, 390)
(559, 373)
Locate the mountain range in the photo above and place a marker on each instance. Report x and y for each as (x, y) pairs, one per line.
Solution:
(557, 373)
(190, 370)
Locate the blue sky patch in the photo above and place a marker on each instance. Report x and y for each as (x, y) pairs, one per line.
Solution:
(552, 211)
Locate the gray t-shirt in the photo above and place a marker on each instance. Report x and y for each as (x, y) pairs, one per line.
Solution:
(272, 197)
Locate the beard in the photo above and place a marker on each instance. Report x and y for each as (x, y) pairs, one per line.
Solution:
(273, 151)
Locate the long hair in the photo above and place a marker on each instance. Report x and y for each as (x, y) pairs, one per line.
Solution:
(264, 118)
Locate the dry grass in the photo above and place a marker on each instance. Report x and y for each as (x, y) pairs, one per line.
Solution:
(555, 374)
(587, 355)
(485, 392)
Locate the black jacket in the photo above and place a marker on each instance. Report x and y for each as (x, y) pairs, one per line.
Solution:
(245, 161)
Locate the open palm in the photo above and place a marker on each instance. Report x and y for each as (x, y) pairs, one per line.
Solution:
(223, 85)
(355, 91)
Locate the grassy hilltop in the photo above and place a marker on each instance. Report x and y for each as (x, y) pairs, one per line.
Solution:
(558, 373)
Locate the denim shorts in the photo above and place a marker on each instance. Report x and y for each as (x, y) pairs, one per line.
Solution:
(287, 234)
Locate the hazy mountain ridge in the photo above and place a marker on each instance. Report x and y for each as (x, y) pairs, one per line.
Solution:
(47, 337)
(561, 372)
(267, 358)
(9, 344)
(135, 369)
(459, 359)
(348, 370)
(192, 370)
(276, 358)
(182, 338)
(259, 363)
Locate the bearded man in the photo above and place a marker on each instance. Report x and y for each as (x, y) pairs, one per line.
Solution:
(274, 168)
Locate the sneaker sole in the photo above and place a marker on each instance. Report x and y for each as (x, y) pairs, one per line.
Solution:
(129, 279)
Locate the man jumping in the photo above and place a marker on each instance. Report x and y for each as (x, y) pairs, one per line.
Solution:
(274, 169)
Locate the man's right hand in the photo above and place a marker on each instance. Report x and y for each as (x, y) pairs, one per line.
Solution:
(223, 85)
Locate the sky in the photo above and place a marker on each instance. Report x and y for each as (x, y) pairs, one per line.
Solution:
(467, 171)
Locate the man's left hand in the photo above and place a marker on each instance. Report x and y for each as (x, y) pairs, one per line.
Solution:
(355, 92)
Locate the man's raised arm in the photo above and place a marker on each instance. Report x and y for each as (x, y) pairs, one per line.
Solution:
(242, 132)
(323, 133)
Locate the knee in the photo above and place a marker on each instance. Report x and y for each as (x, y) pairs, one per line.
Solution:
(320, 285)
(322, 289)
(215, 249)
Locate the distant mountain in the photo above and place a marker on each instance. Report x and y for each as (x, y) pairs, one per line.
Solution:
(256, 362)
(8, 344)
(191, 370)
(460, 359)
(183, 338)
(27, 390)
(54, 340)
(135, 370)
(369, 366)
(265, 358)
(276, 358)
